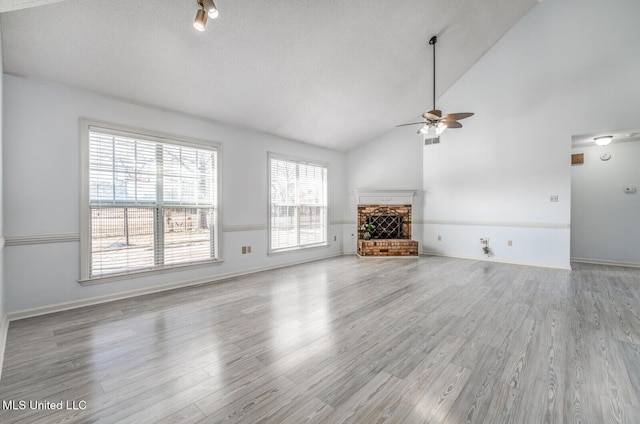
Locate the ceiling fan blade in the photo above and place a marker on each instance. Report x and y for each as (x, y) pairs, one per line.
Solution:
(432, 115)
(412, 123)
(457, 116)
(452, 124)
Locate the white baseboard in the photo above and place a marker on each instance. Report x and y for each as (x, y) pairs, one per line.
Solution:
(503, 261)
(4, 329)
(606, 262)
(28, 313)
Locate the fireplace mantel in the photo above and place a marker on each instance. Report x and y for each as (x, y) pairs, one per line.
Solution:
(384, 197)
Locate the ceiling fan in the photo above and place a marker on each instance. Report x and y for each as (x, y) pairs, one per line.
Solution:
(434, 123)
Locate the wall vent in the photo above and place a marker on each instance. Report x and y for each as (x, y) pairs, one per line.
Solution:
(428, 141)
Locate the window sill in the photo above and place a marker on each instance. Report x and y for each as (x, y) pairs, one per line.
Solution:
(147, 272)
(297, 249)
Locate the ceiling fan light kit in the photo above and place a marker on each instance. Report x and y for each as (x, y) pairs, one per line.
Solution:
(603, 140)
(435, 124)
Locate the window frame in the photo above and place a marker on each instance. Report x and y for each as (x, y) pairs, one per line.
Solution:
(297, 161)
(86, 126)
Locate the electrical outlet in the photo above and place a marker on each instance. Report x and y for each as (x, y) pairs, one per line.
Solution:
(248, 249)
(335, 238)
(439, 238)
(509, 243)
(553, 198)
(244, 250)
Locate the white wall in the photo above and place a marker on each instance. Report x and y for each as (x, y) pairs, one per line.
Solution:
(604, 219)
(2, 289)
(550, 77)
(568, 67)
(42, 183)
(393, 161)
(4, 327)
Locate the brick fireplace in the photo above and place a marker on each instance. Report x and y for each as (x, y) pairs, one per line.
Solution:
(390, 215)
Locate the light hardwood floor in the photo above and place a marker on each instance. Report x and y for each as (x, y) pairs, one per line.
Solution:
(345, 340)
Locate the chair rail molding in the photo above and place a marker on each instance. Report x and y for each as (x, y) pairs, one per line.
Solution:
(42, 239)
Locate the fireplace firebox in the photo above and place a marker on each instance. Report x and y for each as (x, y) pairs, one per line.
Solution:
(388, 222)
(386, 226)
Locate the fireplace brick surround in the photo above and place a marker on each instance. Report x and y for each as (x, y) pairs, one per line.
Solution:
(392, 236)
(403, 211)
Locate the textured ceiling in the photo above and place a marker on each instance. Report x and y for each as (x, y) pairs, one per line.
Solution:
(325, 72)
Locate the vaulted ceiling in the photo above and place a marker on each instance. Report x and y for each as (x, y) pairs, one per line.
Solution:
(326, 72)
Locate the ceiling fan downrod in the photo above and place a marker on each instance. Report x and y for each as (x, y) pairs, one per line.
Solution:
(434, 122)
(433, 42)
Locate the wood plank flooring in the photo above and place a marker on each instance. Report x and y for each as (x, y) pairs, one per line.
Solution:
(345, 340)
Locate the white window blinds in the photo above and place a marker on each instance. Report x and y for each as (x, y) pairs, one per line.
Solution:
(152, 204)
(298, 204)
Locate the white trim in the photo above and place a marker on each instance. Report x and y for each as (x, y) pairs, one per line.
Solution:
(262, 227)
(244, 227)
(85, 211)
(86, 125)
(147, 134)
(606, 262)
(33, 312)
(340, 222)
(28, 313)
(147, 272)
(297, 160)
(548, 225)
(300, 248)
(503, 261)
(384, 197)
(11, 5)
(42, 239)
(75, 237)
(4, 331)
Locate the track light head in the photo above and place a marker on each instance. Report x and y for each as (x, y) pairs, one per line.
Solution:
(201, 20)
(211, 9)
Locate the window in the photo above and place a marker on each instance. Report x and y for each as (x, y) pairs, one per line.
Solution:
(149, 202)
(298, 206)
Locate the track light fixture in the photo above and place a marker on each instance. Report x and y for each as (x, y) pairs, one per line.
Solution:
(201, 20)
(211, 9)
(207, 8)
